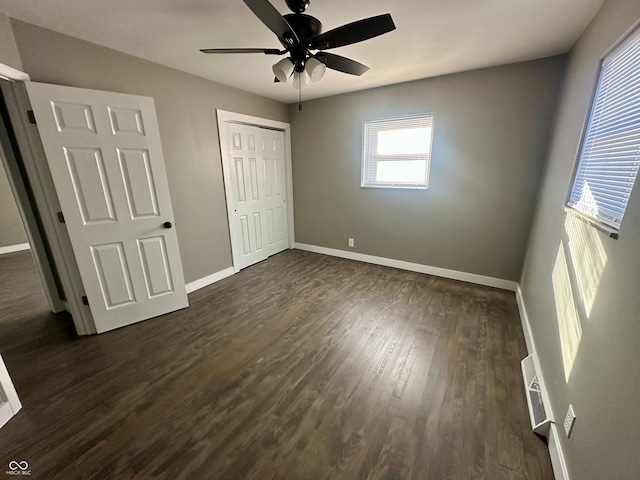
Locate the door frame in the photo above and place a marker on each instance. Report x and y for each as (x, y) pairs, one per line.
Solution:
(11, 164)
(34, 165)
(225, 119)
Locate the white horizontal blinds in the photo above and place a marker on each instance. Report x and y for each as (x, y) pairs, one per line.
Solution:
(397, 152)
(610, 155)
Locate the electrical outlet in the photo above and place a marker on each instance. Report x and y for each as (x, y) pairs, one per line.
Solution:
(351, 243)
(569, 420)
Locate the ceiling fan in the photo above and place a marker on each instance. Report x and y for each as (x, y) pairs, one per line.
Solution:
(300, 34)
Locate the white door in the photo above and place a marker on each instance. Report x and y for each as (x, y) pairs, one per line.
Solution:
(9, 402)
(247, 180)
(106, 161)
(275, 199)
(257, 188)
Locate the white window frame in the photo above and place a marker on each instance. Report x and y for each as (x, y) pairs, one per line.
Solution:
(587, 165)
(370, 158)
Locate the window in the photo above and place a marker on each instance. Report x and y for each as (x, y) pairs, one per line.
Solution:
(397, 152)
(610, 154)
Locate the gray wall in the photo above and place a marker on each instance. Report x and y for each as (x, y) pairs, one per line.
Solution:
(490, 138)
(186, 107)
(604, 383)
(11, 228)
(8, 50)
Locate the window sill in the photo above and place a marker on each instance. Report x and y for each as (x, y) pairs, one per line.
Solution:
(598, 225)
(399, 187)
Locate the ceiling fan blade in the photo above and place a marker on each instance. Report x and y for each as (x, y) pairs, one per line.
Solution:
(266, 51)
(268, 15)
(354, 32)
(341, 64)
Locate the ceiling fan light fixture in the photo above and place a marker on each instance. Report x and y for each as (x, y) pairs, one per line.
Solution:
(283, 69)
(315, 69)
(301, 80)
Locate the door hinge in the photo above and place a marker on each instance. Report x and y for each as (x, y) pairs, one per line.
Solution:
(32, 117)
(85, 300)
(61, 217)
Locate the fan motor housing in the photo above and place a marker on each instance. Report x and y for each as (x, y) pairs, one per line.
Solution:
(305, 26)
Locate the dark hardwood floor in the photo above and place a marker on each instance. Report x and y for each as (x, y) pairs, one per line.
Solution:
(301, 367)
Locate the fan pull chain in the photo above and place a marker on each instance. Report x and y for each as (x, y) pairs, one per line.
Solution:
(299, 92)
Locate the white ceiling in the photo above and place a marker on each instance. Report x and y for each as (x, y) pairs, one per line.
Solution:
(433, 37)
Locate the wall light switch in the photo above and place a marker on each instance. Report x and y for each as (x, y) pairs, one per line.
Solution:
(351, 243)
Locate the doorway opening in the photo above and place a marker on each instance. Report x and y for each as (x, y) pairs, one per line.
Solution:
(31, 304)
(29, 282)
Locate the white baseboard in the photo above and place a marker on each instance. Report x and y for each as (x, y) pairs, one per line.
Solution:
(526, 327)
(413, 267)
(14, 248)
(209, 280)
(555, 450)
(557, 457)
(531, 348)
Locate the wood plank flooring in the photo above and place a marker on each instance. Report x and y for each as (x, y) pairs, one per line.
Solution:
(301, 367)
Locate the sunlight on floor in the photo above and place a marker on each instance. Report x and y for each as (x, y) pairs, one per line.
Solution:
(568, 318)
(588, 257)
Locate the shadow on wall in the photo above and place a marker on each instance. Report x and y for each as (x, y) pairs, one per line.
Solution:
(578, 271)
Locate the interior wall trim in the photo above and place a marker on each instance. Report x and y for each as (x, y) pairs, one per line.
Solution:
(12, 74)
(14, 248)
(531, 349)
(557, 457)
(555, 450)
(526, 327)
(413, 267)
(209, 279)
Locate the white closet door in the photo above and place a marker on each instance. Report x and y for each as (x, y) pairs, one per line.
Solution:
(248, 187)
(275, 198)
(256, 189)
(106, 161)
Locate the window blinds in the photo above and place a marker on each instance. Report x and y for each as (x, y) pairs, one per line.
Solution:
(397, 152)
(610, 155)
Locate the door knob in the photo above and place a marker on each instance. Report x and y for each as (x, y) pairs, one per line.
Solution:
(167, 225)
